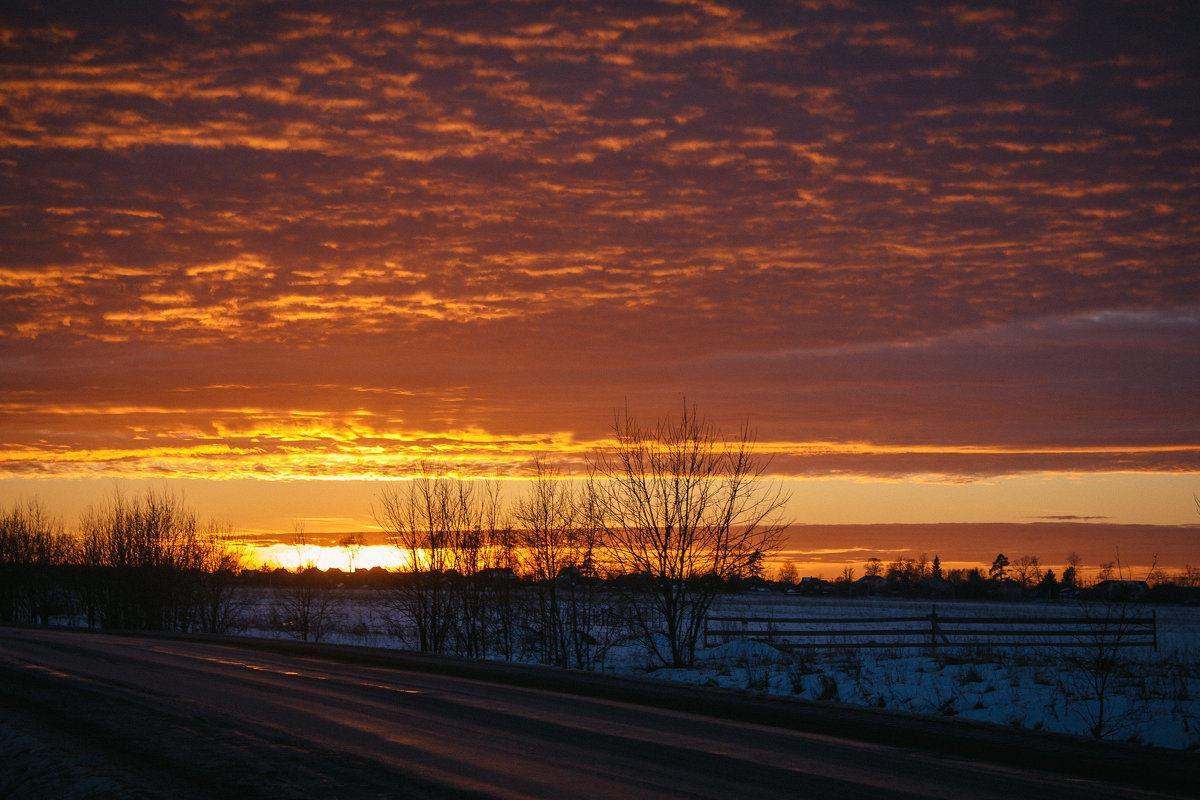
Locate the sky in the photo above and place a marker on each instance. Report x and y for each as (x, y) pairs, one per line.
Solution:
(943, 257)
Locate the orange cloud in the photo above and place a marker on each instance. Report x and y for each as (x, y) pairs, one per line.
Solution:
(907, 227)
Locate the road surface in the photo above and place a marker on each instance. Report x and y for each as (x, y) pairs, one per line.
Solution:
(93, 715)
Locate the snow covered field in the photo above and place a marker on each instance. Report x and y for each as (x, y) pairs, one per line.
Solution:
(1149, 697)
(1140, 695)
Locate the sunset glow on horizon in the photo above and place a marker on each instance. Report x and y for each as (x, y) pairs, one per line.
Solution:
(943, 258)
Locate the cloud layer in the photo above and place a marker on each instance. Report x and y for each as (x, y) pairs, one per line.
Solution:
(247, 239)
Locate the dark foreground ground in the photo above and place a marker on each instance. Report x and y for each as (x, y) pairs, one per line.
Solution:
(91, 715)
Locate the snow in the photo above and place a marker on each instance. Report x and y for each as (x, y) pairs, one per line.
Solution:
(1151, 697)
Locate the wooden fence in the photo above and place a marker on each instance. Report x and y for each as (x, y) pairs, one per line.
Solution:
(937, 630)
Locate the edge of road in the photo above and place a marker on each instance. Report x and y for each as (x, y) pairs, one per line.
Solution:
(1075, 756)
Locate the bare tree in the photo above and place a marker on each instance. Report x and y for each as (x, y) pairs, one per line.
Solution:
(788, 573)
(1157, 576)
(1027, 571)
(1097, 665)
(555, 534)
(138, 562)
(447, 529)
(305, 605)
(33, 549)
(480, 540)
(142, 550)
(223, 558)
(1189, 576)
(415, 517)
(501, 589)
(682, 508)
(847, 580)
(353, 544)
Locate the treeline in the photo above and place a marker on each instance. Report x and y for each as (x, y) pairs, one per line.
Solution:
(141, 562)
(1023, 578)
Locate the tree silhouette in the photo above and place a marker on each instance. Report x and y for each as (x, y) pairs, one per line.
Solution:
(305, 605)
(448, 530)
(1027, 571)
(682, 508)
(144, 558)
(32, 547)
(353, 544)
(560, 544)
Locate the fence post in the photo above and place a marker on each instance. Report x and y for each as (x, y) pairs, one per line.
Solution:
(1154, 627)
(933, 628)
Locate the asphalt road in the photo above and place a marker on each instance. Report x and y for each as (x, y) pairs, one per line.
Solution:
(92, 715)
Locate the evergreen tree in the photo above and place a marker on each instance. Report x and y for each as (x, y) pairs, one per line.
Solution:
(1048, 586)
(1070, 576)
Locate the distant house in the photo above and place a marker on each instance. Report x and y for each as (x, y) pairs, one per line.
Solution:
(814, 586)
(500, 574)
(569, 574)
(1006, 589)
(870, 584)
(935, 587)
(1120, 590)
(756, 583)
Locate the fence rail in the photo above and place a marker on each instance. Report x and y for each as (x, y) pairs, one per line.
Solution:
(936, 630)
